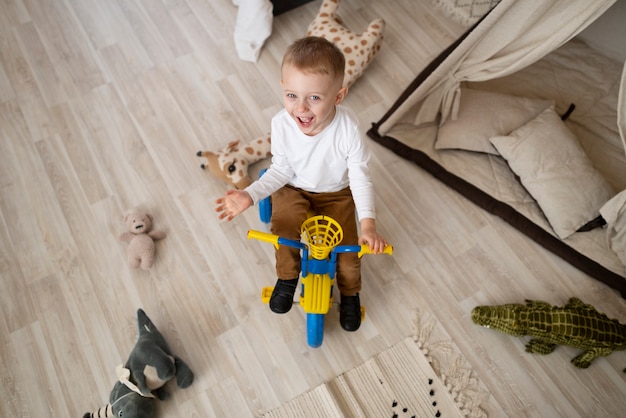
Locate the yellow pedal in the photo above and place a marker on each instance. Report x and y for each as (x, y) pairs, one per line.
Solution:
(362, 313)
(266, 293)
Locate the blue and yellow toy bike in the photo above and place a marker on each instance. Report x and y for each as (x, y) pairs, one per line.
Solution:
(320, 238)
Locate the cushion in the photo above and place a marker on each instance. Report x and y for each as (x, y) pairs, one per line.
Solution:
(614, 212)
(555, 170)
(484, 114)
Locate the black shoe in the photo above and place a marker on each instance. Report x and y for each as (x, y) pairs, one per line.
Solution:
(282, 295)
(350, 312)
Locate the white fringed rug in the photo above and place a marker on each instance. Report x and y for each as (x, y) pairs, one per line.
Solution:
(408, 379)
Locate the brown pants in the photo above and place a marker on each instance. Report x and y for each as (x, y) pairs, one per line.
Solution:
(290, 208)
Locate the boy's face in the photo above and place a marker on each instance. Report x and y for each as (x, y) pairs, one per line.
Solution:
(310, 98)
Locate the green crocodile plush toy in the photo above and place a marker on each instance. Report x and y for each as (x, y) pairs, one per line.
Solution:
(576, 324)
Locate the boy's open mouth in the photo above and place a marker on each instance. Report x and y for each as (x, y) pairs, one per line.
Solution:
(305, 121)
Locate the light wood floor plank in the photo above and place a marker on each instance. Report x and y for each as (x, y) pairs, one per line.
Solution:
(103, 106)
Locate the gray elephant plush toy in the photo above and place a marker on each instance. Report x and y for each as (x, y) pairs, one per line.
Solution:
(151, 364)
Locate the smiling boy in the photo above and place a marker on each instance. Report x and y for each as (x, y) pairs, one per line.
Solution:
(319, 164)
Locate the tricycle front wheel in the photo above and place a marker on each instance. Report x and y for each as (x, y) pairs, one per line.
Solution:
(314, 329)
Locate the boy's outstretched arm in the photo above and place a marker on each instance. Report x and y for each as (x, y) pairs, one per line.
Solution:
(232, 204)
(370, 237)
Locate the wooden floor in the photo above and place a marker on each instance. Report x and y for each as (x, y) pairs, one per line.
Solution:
(103, 105)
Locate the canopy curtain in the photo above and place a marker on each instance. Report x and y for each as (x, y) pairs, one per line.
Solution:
(512, 36)
(621, 108)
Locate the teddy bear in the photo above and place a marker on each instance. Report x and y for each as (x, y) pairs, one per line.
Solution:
(231, 163)
(141, 247)
(141, 380)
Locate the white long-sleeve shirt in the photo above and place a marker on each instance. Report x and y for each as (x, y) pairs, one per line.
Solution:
(327, 162)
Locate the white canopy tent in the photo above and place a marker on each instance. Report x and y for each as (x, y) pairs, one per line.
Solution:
(513, 35)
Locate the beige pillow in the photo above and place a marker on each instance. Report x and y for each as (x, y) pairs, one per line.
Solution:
(484, 114)
(555, 170)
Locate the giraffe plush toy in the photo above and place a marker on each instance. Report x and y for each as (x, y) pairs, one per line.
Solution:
(358, 48)
(231, 163)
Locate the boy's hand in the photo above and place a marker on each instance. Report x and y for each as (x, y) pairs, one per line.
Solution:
(370, 237)
(232, 204)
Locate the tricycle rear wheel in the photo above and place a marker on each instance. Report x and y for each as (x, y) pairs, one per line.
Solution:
(314, 329)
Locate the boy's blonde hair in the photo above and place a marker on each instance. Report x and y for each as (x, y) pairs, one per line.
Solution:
(316, 55)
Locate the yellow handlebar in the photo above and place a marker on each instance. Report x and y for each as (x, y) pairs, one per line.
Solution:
(264, 236)
(277, 241)
(365, 249)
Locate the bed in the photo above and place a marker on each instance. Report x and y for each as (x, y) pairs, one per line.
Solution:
(540, 147)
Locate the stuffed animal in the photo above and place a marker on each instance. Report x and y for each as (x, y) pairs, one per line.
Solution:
(231, 163)
(141, 239)
(358, 48)
(150, 365)
(576, 324)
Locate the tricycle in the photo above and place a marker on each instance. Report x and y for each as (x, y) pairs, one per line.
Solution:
(319, 245)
